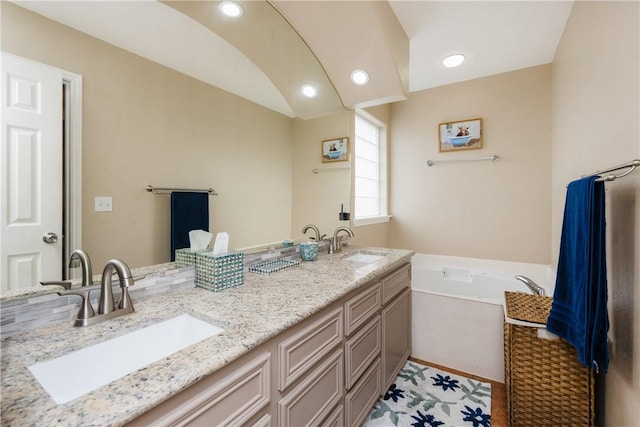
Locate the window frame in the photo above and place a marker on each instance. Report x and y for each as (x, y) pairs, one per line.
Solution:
(383, 175)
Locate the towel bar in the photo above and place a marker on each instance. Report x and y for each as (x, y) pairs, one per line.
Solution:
(168, 190)
(633, 164)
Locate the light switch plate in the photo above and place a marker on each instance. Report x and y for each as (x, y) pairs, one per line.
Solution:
(103, 204)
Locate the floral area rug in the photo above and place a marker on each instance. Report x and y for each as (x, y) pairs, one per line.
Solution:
(423, 396)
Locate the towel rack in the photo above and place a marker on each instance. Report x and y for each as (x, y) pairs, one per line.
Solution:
(168, 190)
(327, 170)
(472, 159)
(632, 165)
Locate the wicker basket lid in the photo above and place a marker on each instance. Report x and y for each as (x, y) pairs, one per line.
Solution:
(527, 307)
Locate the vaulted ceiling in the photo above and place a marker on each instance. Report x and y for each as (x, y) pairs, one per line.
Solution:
(261, 58)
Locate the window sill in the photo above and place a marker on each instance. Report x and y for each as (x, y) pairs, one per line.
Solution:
(358, 222)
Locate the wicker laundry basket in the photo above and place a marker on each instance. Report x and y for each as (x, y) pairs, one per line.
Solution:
(545, 383)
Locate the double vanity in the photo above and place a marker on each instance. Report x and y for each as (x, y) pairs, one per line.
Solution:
(312, 345)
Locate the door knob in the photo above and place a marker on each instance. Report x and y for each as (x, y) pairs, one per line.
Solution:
(50, 237)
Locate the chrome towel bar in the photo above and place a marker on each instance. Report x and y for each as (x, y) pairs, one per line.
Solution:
(316, 171)
(471, 159)
(632, 165)
(167, 190)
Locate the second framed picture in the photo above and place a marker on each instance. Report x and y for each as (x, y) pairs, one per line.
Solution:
(460, 135)
(335, 150)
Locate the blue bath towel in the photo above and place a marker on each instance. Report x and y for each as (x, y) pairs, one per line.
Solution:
(579, 310)
(189, 211)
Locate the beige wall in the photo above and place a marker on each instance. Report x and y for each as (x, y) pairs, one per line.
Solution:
(318, 196)
(493, 210)
(596, 123)
(146, 124)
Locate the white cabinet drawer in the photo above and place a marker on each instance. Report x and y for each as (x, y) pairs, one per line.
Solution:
(359, 401)
(336, 419)
(231, 400)
(359, 309)
(299, 352)
(395, 283)
(315, 397)
(360, 350)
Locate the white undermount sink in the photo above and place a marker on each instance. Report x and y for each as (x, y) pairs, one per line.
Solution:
(72, 375)
(365, 257)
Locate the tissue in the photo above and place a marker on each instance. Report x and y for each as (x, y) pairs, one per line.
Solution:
(221, 246)
(544, 334)
(199, 239)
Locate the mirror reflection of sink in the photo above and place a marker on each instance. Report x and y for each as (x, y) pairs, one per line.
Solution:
(365, 256)
(72, 375)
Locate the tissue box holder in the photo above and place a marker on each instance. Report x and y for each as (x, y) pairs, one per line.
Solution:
(219, 272)
(186, 257)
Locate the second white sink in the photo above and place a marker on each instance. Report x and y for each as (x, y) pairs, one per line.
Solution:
(365, 256)
(72, 375)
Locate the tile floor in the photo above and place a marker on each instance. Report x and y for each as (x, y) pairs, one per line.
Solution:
(498, 394)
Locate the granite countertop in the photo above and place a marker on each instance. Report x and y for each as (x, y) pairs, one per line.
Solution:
(250, 314)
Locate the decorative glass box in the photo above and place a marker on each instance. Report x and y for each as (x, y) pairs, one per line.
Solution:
(219, 272)
(273, 266)
(186, 257)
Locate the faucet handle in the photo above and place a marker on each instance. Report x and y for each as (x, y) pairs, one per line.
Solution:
(330, 240)
(86, 309)
(66, 284)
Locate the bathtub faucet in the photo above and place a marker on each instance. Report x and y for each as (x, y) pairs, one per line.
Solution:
(535, 288)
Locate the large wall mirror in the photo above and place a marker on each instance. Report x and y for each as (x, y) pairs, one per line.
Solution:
(182, 97)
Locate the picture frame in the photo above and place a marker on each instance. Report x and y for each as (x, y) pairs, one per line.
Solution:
(335, 150)
(460, 135)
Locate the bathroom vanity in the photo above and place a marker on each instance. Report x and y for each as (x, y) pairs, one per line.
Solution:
(316, 344)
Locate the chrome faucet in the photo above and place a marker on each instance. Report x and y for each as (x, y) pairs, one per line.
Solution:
(314, 228)
(334, 243)
(106, 308)
(106, 305)
(83, 258)
(535, 288)
(78, 258)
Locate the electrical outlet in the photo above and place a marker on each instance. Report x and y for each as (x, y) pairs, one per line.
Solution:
(103, 204)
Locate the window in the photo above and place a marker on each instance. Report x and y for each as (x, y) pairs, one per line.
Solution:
(370, 172)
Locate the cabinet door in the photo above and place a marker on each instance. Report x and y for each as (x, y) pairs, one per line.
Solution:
(396, 337)
(311, 401)
(231, 400)
(395, 283)
(360, 350)
(301, 351)
(359, 401)
(359, 309)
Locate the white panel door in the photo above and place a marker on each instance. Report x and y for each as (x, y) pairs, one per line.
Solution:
(31, 173)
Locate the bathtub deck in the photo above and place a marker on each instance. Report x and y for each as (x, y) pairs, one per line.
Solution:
(498, 393)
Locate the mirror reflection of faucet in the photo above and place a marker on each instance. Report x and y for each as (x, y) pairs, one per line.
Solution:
(106, 307)
(318, 238)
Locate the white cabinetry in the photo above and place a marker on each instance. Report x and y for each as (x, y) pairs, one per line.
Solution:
(229, 397)
(396, 323)
(311, 370)
(362, 353)
(327, 370)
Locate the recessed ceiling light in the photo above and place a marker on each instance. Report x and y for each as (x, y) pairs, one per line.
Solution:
(231, 9)
(453, 60)
(309, 91)
(360, 77)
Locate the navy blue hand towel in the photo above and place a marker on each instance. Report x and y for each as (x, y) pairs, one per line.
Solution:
(579, 310)
(189, 211)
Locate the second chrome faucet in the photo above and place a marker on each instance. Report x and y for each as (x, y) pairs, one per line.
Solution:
(334, 242)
